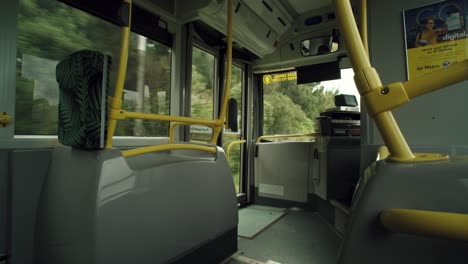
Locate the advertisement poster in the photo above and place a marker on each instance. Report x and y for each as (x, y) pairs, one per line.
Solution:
(435, 36)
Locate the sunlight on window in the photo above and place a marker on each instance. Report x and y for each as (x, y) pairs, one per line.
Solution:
(345, 85)
(292, 109)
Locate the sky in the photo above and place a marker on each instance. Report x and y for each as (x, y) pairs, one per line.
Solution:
(346, 85)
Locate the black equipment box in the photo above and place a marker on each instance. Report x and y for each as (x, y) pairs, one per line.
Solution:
(340, 121)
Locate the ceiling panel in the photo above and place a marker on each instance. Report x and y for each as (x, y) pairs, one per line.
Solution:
(303, 6)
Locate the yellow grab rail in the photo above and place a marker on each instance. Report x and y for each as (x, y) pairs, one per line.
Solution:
(116, 101)
(363, 24)
(287, 136)
(172, 129)
(117, 113)
(438, 79)
(173, 125)
(382, 153)
(380, 100)
(367, 80)
(227, 84)
(122, 114)
(229, 148)
(426, 223)
(139, 151)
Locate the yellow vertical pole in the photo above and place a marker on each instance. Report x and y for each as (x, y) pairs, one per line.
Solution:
(116, 102)
(367, 79)
(363, 24)
(227, 87)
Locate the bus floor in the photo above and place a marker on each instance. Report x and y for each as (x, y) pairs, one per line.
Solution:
(297, 237)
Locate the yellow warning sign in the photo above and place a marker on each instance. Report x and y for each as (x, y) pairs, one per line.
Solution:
(267, 79)
(279, 77)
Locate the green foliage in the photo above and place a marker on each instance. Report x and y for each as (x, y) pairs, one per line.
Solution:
(290, 108)
(50, 30)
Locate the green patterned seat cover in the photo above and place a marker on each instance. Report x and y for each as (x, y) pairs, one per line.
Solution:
(83, 99)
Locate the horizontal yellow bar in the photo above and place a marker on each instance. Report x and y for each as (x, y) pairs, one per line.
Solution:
(426, 223)
(122, 114)
(144, 150)
(437, 79)
(228, 150)
(288, 136)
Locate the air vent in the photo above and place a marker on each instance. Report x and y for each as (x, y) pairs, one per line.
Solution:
(331, 16)
(268, 34)
(281, 21)
(237, 8)
(267, 6)
(313, 20)
(291, 46)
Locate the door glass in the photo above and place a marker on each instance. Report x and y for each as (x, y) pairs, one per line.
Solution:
(230, 136)
(203, 70)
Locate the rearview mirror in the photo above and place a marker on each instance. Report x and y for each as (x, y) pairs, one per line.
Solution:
(319, 46)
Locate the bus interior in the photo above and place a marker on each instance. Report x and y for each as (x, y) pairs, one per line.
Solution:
(233, 131)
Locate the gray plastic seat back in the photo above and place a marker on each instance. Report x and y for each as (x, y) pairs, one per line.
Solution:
(99, 207)
(436, 186)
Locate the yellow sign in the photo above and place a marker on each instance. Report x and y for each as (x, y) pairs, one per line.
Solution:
(267, 79)
(424, 60)
(279, 77)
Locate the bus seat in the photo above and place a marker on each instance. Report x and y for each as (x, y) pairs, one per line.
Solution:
(99, 207)
(432, 186)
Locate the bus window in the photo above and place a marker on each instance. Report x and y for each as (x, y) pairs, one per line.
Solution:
(230, 136)
(292, 109)
(345, 85)
(202, 97)
(48, 31)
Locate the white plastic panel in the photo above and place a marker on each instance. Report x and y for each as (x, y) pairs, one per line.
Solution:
(283, 178)
(288, 54)
(249, 27)
(271, 17)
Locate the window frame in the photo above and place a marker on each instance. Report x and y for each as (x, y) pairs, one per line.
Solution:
(195, 43)
(243, 135)
(9, 12)
(8, 47)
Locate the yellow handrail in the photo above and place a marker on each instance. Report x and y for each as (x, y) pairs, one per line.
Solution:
(367, 80)
(363, 24)
(139, 151)
(115, 103)
(172, 129)
(382, 153)
(228, 150)
(287, 136)
(426, 223)
(380, 100)
(227, 84)
(438, 79)
(122, 114)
